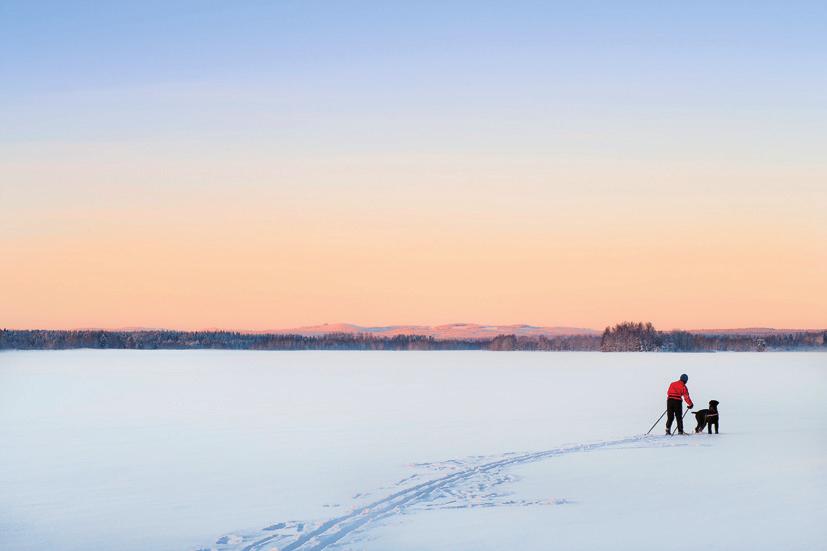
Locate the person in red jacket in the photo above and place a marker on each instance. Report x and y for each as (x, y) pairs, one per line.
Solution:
(674, 406)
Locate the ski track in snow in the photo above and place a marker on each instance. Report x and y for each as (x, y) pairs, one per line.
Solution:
(447, 491)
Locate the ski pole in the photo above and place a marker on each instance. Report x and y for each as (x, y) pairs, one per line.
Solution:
(656, 422)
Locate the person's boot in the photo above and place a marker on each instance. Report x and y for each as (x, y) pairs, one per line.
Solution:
(668, 432)
(680, 432)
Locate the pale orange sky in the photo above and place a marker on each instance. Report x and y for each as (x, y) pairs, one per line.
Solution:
(256, 241)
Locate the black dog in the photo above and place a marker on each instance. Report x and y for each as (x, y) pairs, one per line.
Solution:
(707, 417)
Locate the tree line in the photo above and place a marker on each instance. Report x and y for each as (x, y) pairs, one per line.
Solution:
(643, 337)
(623, 337)
(219, 340)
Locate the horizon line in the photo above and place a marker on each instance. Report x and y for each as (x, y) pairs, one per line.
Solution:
(355, 328)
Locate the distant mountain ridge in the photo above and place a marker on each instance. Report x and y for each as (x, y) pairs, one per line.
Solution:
(453, 331)
(754, 331)
(447, 331)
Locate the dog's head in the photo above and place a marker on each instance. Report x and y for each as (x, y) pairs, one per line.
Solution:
(713, 405)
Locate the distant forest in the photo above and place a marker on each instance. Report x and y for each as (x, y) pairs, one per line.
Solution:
(640, 337)
(624, 337)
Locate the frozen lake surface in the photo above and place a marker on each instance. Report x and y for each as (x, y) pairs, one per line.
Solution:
(183, 450)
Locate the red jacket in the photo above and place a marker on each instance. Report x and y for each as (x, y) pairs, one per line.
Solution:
(678, 390)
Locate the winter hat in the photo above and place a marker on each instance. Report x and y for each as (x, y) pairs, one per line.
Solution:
(684, 377)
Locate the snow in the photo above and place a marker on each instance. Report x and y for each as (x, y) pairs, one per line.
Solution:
(182, 450)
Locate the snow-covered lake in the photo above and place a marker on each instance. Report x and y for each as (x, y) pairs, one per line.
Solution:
(183, 450)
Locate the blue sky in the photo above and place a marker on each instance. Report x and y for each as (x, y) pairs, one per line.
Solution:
(88, 70)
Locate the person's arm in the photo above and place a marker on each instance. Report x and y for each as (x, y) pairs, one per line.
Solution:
(687, 398)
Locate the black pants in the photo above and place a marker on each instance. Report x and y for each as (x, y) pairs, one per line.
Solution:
(674, 408)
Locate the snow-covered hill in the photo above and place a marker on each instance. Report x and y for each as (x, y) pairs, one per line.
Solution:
(448, 331)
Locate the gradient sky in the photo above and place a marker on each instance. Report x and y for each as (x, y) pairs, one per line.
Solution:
(258, 165)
